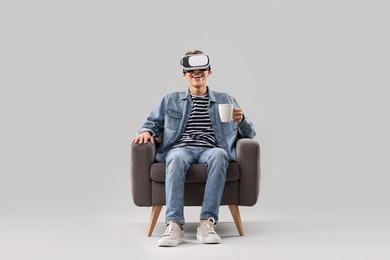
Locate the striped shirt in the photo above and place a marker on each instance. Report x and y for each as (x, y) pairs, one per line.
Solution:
(199, 131)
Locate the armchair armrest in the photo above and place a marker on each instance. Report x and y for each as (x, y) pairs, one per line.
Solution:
(248, 159)
(142, 158)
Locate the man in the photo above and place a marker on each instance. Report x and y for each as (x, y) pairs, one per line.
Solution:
(191, 131)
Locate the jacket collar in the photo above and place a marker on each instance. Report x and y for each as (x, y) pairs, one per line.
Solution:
(186, 95)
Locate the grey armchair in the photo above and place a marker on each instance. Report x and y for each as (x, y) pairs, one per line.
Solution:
(241, 188)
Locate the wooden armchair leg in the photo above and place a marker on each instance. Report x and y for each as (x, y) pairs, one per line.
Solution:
(237, 218)
(156, 209)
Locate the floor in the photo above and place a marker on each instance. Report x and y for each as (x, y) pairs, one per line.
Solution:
(267, 239)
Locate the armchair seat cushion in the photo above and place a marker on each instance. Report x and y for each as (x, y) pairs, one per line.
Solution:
(196, 173)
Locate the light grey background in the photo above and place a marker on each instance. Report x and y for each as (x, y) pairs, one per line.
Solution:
(79, 77)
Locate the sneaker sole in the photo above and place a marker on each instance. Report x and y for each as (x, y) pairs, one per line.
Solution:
(170, 243)
(208, 240)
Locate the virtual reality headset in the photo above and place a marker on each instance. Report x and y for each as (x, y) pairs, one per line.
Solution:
(195, 62)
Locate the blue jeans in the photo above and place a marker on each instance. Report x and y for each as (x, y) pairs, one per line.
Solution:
(178, 161)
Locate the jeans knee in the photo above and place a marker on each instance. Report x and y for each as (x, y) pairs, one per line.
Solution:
(219, 155)
(177, 164)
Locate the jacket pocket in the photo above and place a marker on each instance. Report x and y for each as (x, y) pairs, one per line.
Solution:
(172, 119)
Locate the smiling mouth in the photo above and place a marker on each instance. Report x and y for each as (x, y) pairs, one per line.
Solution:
(197, 76)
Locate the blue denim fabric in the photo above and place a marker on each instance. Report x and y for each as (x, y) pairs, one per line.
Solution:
(169, 119)
(178, 161)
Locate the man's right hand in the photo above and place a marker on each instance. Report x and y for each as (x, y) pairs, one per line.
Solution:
(143, 138)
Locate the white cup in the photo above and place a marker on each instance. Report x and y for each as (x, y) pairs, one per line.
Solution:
(226, 112)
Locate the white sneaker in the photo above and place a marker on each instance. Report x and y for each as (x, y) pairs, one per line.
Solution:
(206, 233)
(173, 235)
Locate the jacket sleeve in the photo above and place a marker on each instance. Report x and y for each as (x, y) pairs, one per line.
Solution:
(245, 127)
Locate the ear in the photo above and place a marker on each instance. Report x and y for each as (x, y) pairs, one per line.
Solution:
(209, 72)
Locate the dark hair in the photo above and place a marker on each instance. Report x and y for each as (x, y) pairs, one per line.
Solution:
(194, 52)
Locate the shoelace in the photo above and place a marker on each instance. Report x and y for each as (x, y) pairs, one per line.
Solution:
(209, 224)
(169, 229)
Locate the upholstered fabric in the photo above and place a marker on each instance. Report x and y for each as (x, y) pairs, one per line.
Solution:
(242, 185)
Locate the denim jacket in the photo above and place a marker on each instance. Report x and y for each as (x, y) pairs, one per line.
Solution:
(169, 118)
